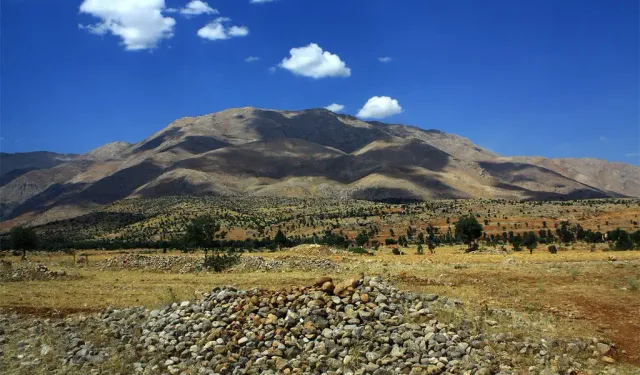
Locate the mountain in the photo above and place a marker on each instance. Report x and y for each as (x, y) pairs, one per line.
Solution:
(110, 151)
(13, 166)
(309, 153)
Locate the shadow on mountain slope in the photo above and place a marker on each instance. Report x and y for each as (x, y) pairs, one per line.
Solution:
(109, 189)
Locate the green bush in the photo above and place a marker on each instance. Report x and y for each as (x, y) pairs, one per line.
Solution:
(218, 262)
(396, 251)
(624, 241)
(358, 250)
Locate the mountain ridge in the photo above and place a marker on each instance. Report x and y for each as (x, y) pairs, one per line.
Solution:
(314, 152)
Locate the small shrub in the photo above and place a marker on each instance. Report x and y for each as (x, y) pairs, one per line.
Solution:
(218, 262)
(358, 250)
(553, 249)
(633, 283)
(574, 273)
(396, 251)
(171, 296)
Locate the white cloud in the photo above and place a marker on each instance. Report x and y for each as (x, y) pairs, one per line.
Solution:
(385, 59)
(380, 107)
(197, 7)
(238, 31)
(251, 59)
(633, 154)
(312, 61)
(139, 23)
(335, 107)
(261, 1)
(216, 30)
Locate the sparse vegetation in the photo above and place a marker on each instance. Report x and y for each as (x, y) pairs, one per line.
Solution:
(336, 235)
(23, 239)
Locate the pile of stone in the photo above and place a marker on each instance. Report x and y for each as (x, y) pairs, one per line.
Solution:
(156, 263)
(64, 346)
(30, 272)
(488, 251)
(116, 324)
(317, 250)
(261, 264)
(360, 326)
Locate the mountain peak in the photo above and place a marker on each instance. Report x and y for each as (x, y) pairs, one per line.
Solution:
(314, 152)
(109, 151)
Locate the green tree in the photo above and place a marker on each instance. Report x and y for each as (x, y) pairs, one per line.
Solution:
(564, 233)
(23, 239)
(402, 241)
(200, 233)
(280, 239)
(362, 238)
(420, 249)
(635, 236)
(468, 230)
(530, 240)
(516, 241)
(623, 240)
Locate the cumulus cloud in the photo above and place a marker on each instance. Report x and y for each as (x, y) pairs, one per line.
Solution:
(380, 107)
(238, 31)
(335, 107)
(251, 59)
(216, 30)
(198, 7)
(261, 1)
(139, 23)
(384, 59)
(312, 61)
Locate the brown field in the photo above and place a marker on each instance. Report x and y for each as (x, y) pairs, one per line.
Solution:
(580, 292)
(575, 293)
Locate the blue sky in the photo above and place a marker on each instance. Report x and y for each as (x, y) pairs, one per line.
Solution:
(550, 78)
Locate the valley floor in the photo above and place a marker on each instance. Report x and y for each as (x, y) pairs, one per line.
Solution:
(575, 293)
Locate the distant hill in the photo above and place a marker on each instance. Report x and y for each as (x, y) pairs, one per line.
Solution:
(309, 153)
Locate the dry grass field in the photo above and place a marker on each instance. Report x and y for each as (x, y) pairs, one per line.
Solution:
(575, 293)
(585, 291)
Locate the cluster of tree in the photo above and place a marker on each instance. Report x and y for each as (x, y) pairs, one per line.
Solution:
(468, 231)
(202, 232)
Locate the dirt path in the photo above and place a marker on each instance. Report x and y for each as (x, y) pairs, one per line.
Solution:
(618, 320)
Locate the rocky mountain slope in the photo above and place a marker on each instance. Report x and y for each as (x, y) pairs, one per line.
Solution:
(295, 153)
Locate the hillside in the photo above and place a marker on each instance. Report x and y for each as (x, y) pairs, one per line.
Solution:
(310, 153)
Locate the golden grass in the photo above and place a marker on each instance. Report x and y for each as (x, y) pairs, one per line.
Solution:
(575, 293)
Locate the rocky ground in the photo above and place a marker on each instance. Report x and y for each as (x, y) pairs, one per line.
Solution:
(257, 263)
(178, 263)
(360, 326)
(28, 272)
(188, 264)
